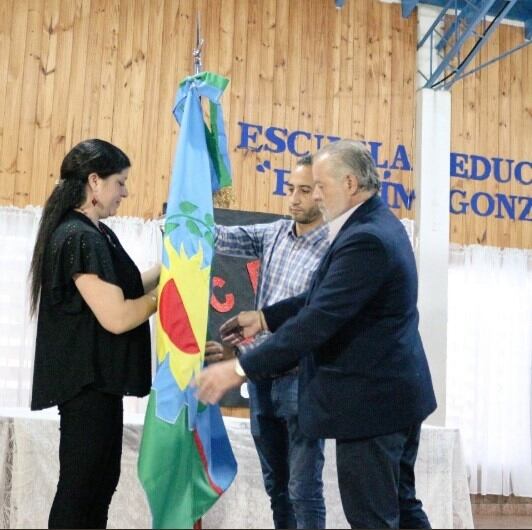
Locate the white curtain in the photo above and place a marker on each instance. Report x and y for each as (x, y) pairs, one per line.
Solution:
(18, 229)
(489, 365)
(489, 343)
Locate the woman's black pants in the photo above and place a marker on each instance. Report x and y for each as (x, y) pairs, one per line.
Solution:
(90, 450)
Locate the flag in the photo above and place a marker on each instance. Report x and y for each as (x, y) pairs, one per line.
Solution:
(185, 460)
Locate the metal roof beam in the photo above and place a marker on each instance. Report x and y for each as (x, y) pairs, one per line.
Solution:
(466, 17)
(435, 23)
(487, 34)
(407, 6)
(491, 61)
(461, 40)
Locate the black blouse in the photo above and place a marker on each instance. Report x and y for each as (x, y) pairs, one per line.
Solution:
(73, 350)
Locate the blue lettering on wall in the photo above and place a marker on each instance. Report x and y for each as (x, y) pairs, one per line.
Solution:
(511, 207)
(280, 182)
(246, 136)
(277, 145)
(519, 172)
(527, 207)
(319, 138)
(482, 204)
(480, 167)
(374, 148)
(458, 162)
(506, 203)
(462, 204)
(272, 139)
(395, 195)
(400, 160)
(333, 138)
(497, 173)
(291, 143)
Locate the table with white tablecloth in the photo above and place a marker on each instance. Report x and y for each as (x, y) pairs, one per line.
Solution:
(29, 471)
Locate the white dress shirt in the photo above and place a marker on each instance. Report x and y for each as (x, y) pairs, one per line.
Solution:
(336, 224)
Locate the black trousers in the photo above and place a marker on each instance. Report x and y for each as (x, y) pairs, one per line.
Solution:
(90, 450)
(377, 483)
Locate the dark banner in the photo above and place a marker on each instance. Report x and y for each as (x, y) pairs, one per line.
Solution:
(234, 284)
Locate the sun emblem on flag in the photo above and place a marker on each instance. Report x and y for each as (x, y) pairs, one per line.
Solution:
(182, 327)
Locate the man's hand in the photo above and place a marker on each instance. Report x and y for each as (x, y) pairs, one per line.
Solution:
(215, 380)
(246, 324)
(216, 352)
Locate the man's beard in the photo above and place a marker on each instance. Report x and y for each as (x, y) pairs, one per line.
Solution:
(308, 217)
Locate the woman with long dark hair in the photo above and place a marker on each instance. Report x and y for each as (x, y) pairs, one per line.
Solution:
(93, 338)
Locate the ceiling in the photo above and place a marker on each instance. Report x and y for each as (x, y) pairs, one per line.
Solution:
(521, 11)
(470, 21)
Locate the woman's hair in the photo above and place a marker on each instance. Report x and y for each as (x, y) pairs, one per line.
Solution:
(89, 156)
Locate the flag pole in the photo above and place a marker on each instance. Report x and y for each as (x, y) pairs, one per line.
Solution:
(198, 68)
(196, 53)
(198, 464)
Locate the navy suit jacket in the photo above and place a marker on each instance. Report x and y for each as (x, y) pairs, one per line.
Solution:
(362, 368)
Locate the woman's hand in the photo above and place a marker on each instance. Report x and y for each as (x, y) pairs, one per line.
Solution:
(150, 278)
(154, 294)
(106, 300)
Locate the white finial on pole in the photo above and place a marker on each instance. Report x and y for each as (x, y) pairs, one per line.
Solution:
(196, 54)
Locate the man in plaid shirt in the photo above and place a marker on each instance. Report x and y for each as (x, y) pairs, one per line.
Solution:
(290, 252)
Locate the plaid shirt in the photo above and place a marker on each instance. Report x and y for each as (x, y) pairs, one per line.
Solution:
(288, 261)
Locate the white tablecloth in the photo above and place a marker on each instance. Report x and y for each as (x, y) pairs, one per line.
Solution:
(29, 471)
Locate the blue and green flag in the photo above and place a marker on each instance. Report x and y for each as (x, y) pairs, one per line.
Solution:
(186, 461)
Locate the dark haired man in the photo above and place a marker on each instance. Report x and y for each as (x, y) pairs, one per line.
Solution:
(290, 251)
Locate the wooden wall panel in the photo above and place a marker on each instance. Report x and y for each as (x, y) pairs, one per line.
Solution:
(504, 130)
(358, 103)
(26, 132)
(526, 127)
(61, 93)
(110, 68)
(237, 91)
(13, 99)
(77, 69)
(6, 12)
(492, 119)
(267, 29)
(251, 57)
(280, 99)
(74, 107)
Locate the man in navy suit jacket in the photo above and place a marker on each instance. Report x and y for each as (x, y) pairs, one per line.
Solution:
(363, 374)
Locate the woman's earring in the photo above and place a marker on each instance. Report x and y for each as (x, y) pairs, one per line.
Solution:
(94, 202)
